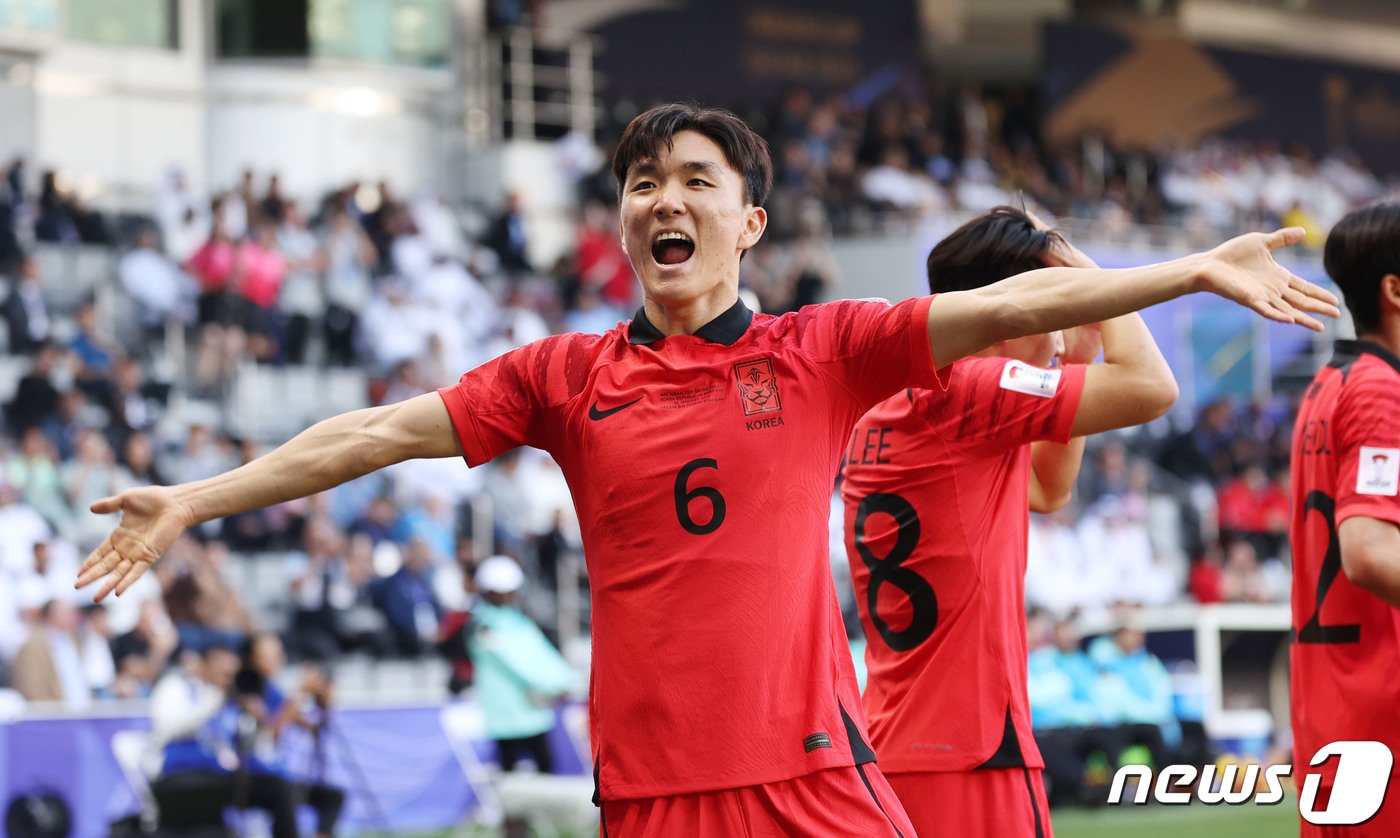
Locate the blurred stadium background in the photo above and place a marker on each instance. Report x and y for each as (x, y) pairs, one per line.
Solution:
(221, 220)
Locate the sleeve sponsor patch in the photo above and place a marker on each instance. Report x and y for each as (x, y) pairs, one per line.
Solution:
(1378, 472)
(1024, 378)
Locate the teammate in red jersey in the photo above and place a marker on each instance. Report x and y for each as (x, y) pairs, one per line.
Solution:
(1345, 505)
(936, 488)
(700, 442)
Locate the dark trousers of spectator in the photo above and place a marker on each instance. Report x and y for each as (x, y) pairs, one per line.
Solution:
(537, 747)
(1195, 746)
(298, 336)
(340, 336)
(1066, 751)
(223, 307)
(195, 799)
(326, 801)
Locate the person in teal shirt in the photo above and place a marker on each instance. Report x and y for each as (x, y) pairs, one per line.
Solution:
(520, 676)
(1138, 688)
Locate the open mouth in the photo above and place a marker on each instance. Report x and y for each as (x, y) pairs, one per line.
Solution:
(672, 248)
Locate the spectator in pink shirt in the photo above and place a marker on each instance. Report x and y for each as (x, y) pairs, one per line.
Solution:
(212, 265)
(259, 270)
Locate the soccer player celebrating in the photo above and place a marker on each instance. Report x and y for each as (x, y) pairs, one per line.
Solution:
(936, 487)
(1345, 533)
(700, 441)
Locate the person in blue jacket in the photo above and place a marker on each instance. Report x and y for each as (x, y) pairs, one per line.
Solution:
(196, 725)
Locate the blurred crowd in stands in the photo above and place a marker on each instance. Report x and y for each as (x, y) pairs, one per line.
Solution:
(414, 291)
(1202, 511)
(910, 157)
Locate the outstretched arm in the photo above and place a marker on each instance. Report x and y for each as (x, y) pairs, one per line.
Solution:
(1242, 269)
(323, 456)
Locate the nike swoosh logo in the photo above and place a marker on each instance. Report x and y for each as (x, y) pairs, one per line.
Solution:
(595, 414)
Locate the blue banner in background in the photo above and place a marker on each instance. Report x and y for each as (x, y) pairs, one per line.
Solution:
(396, 765)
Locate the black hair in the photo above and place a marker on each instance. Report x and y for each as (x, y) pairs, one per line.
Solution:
(745, 150)
(1361, 250)
(1000, 243)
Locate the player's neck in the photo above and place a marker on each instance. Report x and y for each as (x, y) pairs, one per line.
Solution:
(1387, 334)
(689, 317)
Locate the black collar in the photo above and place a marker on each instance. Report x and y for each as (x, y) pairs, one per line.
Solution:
(1346, 351)
(725, 329)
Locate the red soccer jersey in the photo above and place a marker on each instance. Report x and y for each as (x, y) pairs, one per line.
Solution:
(701, 467)
(936, 493)
(1345, 658)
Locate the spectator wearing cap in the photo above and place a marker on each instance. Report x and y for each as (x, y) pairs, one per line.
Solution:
(520, 676)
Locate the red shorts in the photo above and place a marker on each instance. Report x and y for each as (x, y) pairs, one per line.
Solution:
(1005, 802)
(1385, 823)
(838, 801)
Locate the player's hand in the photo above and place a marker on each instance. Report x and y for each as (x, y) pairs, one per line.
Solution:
(152, 518)
(1243, 269)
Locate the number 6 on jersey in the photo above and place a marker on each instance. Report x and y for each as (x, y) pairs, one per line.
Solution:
(710, 493)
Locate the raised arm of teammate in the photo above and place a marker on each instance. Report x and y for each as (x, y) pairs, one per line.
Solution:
(1133, 385)
(321, 457)
(1371, 556)
(1242, 269)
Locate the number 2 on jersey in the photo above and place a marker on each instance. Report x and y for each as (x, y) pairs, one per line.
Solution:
(890, 568)
(1313, 631)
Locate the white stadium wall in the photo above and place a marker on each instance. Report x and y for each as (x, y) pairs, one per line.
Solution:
(321, 125)
(114, 119)
(16, 107)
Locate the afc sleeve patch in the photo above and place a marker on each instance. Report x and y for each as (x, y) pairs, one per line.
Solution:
(1024, 378)
(1378, 472)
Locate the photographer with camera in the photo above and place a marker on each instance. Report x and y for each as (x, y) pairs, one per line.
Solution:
(196, 721)
(270, 713)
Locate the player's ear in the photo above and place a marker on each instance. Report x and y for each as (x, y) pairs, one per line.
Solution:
(754, 224)
(1390, 292)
